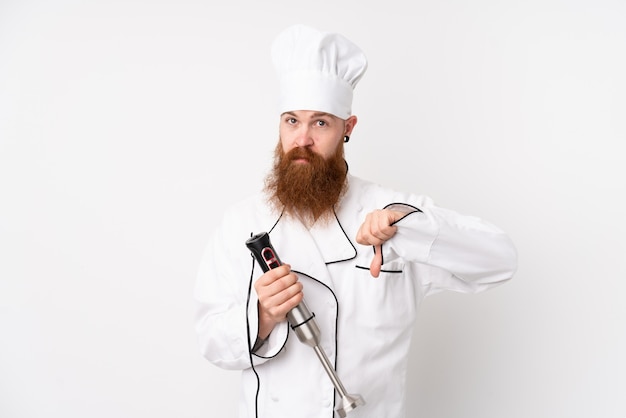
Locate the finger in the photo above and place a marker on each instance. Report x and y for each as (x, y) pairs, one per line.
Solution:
(275, 288)
(292, 302)
(278, 306)
(385, 228)
(279, 292)
(363, 232)
(273, 275)
(368, 233)
(269, 295)
(377, 228)
(383, 232)
(377, 261)
(287, 293)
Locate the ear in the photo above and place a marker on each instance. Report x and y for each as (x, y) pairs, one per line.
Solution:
(350, 124)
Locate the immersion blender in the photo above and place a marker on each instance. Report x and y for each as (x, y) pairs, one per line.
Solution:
(303, 321)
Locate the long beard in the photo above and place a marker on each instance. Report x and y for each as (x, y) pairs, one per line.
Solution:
(307, 190)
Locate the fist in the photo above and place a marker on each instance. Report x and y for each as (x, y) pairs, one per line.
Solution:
(376, 229)
(279, 291)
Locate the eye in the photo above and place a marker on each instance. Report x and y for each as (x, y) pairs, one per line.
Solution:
(291, 121)
(321, 123)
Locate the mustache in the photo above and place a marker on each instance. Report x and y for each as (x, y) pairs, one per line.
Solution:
(301, 153)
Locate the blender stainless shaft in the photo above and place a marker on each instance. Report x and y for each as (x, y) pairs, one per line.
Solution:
(303, 323)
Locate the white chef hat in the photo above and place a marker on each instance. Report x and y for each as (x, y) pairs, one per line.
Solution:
(317, 70)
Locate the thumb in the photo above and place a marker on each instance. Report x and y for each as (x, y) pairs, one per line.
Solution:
(377, 261)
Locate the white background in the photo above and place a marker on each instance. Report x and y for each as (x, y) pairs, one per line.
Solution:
(127, 126)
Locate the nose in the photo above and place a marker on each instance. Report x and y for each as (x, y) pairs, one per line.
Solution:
(304, 137)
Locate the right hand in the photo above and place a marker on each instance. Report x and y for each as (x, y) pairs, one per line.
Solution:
(279, 291)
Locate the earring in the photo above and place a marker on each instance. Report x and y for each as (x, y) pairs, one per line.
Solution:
(346, 138)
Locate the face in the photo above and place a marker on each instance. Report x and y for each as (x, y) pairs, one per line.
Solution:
(320, 132)
(309, 173)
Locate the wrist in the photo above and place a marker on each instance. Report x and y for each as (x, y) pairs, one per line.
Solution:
(266, 324)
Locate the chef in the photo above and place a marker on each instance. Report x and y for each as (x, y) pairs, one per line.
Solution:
(364, 255)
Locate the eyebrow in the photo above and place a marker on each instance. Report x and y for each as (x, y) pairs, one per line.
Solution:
(321, 114)
(314, 115)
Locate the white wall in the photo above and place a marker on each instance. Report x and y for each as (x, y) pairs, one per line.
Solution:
(125, 126)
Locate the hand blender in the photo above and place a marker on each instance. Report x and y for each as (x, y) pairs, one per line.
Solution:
(303, 322)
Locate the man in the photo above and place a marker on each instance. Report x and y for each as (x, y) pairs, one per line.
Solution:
(364, 256)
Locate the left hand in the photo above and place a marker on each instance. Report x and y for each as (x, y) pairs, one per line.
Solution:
(375, 230)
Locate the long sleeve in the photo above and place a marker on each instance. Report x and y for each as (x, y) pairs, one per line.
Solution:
(226, 319)
(221, 301)
(476, 254)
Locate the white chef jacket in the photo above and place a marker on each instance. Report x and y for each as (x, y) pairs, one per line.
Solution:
(366, 322)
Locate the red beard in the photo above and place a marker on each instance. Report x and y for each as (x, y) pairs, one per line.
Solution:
(307, 189)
